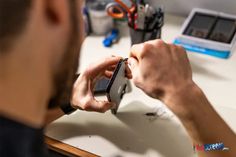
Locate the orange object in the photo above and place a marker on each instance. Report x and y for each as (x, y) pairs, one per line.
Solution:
(120, 9)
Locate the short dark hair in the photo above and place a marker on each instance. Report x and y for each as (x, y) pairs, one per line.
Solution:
(13, 18)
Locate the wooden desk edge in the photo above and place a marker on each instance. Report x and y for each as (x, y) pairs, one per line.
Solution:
(66, 149)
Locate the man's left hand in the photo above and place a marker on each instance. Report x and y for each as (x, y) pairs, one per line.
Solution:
(83, 97)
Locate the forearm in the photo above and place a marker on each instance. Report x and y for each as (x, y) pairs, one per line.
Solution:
(202, 122)
(53, 114)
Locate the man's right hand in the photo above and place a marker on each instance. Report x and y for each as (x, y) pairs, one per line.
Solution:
(161, 70)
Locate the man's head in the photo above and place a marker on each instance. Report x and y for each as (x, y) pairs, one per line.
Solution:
(39, 45)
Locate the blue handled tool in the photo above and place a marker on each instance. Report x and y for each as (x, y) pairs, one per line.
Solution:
(111, 38)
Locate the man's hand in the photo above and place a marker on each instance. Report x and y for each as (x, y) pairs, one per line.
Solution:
(83, 97)
(161, 70)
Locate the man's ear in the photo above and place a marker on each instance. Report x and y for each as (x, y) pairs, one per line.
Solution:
(52, 26)
(57, 11)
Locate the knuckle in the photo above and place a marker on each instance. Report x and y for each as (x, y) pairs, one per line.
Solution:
(86, 105)
(88, 70)
(159, 43)
(133, 47)
(75, 102)
(143, 49)
(82, 108)
(181, 48)
(182, 51)
(102, 109)
(147, 46)
(107, 59)
(173, 47)
(75, 99)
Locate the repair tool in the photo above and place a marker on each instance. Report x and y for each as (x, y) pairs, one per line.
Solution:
(121, 9)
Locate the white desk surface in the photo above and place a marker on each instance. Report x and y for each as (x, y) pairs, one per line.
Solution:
(133, 134)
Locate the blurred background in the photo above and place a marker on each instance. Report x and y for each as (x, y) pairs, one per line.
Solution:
(183, 7)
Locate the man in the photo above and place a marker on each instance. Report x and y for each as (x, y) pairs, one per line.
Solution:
(39, 48)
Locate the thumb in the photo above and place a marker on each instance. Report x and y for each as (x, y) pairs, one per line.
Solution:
(133, 64)
(134, 67)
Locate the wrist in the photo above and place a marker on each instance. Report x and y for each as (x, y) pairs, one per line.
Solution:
(185, 100)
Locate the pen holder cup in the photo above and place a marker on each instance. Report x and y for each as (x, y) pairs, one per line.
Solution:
(140, 36)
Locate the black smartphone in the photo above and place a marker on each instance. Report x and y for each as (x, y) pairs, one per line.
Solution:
(117, 85)
(113, 88)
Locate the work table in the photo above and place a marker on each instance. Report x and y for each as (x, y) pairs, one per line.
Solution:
(131, 132)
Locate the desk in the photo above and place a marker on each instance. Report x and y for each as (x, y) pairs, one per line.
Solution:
(133, 134)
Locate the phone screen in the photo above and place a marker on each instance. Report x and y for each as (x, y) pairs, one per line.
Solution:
(224, 30)
(211, 27)
(101, 86)
(200, 25)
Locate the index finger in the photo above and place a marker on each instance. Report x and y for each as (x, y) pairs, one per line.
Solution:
(102, 65)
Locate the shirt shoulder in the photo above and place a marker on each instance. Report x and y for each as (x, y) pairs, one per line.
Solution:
(19, 140)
